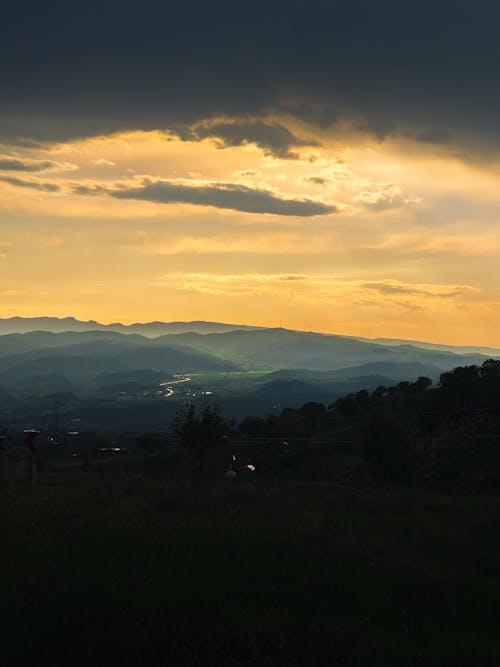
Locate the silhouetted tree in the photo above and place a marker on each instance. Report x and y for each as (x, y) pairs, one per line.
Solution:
(362, 397)
(201, 432)
(313, 410)
(422, 383)
(489, 374)
(293, 423)
(315, 413)
(460, 385)
(346, 406)
(379, 394)
(384, 443)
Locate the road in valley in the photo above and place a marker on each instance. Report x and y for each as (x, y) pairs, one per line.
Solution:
(168, 385)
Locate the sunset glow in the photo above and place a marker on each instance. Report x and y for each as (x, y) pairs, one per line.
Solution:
(418, 225)
(354, 220)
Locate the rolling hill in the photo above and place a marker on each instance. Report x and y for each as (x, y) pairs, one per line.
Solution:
(275, 349)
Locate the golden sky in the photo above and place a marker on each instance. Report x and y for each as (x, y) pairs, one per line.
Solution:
(332, 230)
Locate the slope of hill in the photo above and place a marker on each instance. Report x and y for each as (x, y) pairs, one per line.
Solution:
(78, 358)
(393, 371)
(456, 349)
(282, 349)
(19, 343)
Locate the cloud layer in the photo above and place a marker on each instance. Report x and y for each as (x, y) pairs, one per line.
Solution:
(220, 195)
(8, 163)
(425, 70)
(34, 185)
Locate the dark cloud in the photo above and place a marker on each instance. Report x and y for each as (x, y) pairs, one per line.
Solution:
(8, 163)
(393, 66)
(91, 190)
(321, 117)
(434, 136)
(272, 138)
(23, 142)
(221, 195)
(390, 289)
(249, 172)
(385, 288)
(317, 180)
(35, 185)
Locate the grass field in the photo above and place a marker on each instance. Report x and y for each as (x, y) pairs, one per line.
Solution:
(126, 566)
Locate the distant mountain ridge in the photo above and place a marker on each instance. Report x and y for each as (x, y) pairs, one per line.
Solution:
(391, 370)
(150, 329)
(156, 329)
(457, 349)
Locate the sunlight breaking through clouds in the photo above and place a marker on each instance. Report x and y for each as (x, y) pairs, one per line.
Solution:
(356, 234)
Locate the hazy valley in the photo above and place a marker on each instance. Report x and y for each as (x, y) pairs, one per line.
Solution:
(126, 377)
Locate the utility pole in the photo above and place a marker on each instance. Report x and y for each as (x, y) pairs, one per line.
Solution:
(3, 452)
(54, 425)
(55, 439)
(29, 441)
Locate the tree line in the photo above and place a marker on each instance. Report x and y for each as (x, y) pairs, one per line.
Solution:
(409, 431)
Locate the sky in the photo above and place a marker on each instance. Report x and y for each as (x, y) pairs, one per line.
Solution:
(330, 165)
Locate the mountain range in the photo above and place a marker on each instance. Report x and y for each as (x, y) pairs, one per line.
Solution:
(156, 329)
(254, 369)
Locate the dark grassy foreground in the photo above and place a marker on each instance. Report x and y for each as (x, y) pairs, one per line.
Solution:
(123, 567)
